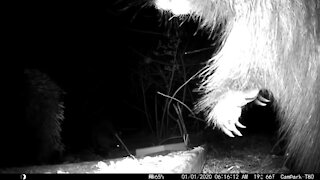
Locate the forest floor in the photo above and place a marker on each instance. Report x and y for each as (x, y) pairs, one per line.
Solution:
(248, 154)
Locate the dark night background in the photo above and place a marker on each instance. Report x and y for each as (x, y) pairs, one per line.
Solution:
(84, 49)
(92, 52)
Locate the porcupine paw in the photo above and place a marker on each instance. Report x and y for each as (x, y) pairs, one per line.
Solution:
(228, 110)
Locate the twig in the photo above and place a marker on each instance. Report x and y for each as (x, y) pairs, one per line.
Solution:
(177, 101)
(117, 136)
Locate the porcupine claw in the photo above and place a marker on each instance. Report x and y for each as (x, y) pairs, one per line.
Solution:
(228, 110)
